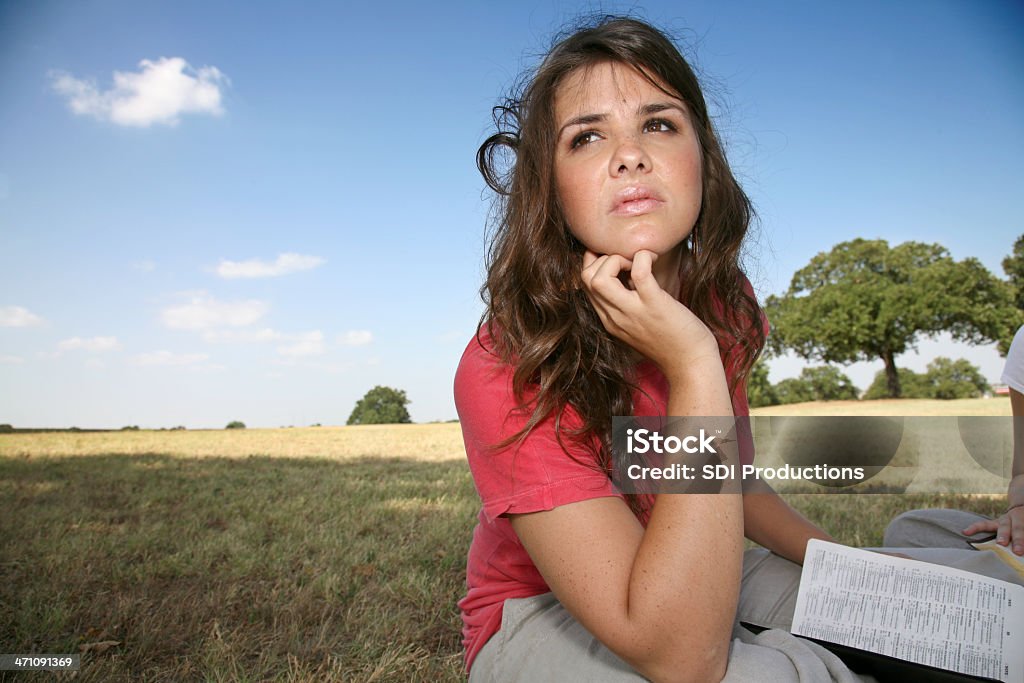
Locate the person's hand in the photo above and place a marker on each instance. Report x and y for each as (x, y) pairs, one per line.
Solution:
(633, 307)
(1009, 526)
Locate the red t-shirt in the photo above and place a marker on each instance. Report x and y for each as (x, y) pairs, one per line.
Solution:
(528, 477)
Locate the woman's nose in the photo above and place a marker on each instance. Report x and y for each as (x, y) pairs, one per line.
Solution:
(629, 157)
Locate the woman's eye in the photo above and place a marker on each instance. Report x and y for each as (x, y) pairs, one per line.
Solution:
(583, 139)
(658, 126)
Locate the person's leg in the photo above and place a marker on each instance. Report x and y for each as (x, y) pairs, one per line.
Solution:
(768, 592)
(934, 528)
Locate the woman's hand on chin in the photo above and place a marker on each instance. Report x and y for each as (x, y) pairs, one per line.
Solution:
(643, 314)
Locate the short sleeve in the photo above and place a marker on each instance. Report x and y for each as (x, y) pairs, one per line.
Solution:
(527, 476)
(1013, 372)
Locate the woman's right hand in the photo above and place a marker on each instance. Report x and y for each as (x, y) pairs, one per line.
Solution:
(644, 315)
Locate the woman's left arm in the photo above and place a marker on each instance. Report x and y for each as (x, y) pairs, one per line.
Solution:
(769, 521)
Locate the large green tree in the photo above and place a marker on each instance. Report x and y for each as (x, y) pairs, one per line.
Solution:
(381, 405)
(864, 300)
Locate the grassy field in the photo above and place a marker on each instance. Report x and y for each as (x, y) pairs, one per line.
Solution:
(310, 554)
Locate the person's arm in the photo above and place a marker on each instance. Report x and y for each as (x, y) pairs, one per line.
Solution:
(1009, 526)
(662, 598)
(769, 521)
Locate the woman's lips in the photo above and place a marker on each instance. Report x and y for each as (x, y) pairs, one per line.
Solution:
(635, 200)
(636, 207)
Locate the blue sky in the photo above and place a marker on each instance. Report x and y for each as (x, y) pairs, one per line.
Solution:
(274, 206)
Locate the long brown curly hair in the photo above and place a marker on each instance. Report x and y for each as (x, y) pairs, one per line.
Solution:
(537, 313)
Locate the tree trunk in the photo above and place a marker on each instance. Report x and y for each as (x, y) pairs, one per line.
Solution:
(892, 377)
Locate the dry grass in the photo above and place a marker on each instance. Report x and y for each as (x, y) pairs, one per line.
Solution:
(905, 407)
(427, 443)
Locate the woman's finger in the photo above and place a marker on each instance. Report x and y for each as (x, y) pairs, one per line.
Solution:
(591, 262)
(606, 282)
(642, 274)
(1003, 532)
(1017, 530)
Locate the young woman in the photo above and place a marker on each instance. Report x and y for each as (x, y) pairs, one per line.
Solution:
(613, 288)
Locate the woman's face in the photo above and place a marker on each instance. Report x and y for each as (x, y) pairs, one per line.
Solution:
(627, 162)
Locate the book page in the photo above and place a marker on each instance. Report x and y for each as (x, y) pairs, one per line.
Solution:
(911, 610)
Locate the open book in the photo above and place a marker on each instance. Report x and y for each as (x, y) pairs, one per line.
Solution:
(914, 611)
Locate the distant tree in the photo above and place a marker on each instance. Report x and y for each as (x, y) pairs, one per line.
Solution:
(381, 405)
(821, 383)
(793, 390)
(235, 424)
(828, 383)
(130, 428)
(6, 428)
(912, 385)
(956, 379)
(864, 300)
(944, 379)
(760, 391)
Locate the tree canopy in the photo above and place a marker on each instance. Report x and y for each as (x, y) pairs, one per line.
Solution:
(1013, 265)
(381, 405)
(864, 300)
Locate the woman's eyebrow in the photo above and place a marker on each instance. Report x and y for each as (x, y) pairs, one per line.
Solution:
(658, 107)
(643, 110)
(582, 120)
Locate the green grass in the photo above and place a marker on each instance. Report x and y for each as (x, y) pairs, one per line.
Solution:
(269, 555)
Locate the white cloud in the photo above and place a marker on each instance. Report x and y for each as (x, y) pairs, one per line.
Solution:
(16, 316)
(305, 344)
(241, 336)
(159, 92)
(204, 312)
(11, 360)
(356, 338)
(96, 344)
(283, 265)
(168, 358)
(144, 266)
